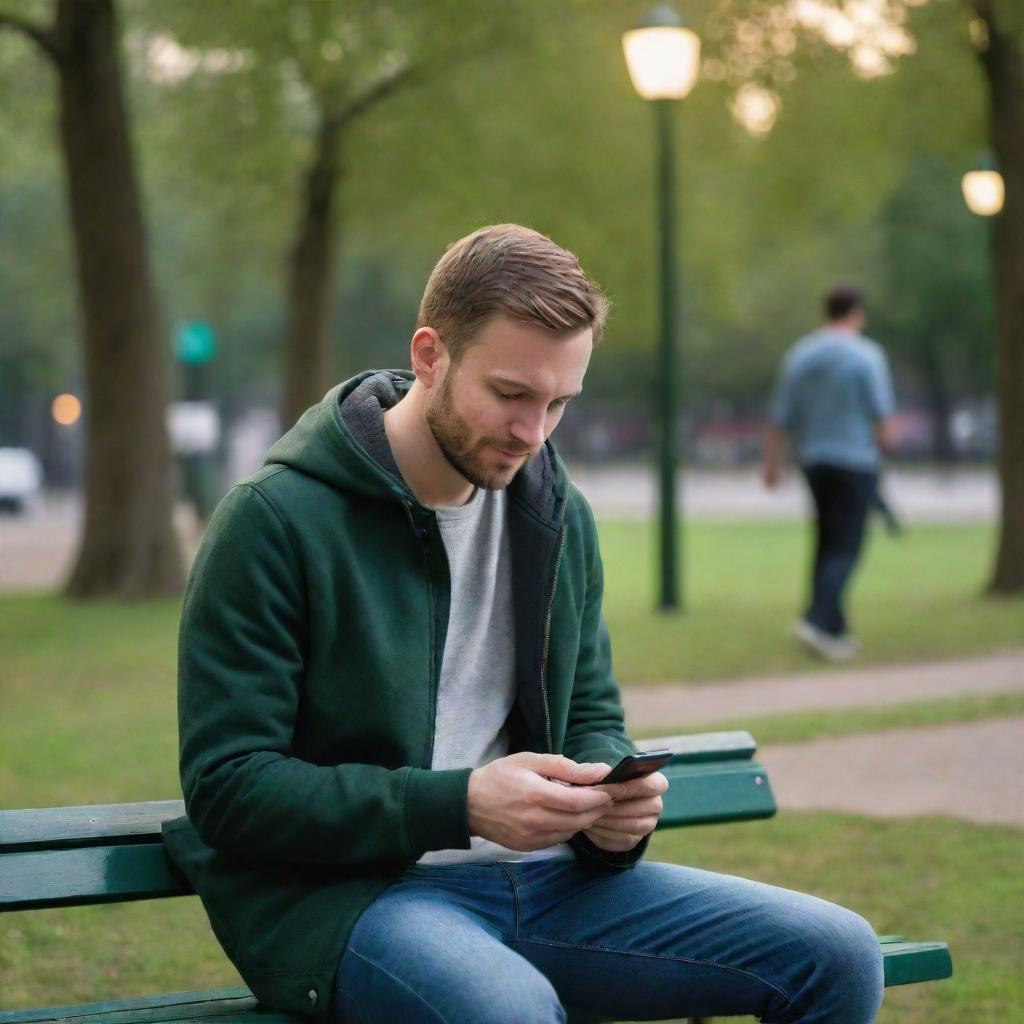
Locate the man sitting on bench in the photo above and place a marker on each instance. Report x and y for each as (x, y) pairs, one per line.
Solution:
(397, 707)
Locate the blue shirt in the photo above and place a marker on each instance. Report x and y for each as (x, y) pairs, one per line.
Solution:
(834, 387)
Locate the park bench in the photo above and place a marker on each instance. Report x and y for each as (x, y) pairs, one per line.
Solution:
(72, 856)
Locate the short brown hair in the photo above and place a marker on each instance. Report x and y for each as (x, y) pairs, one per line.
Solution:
(842, 299)
(506, 269)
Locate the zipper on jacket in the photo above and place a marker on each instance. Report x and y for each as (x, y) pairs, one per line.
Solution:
(435, 668)
(547, 638)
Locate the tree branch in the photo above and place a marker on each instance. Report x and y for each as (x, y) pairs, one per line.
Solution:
(43, 38)
(380, 90)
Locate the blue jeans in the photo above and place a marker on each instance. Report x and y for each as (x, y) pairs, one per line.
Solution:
(550, 940)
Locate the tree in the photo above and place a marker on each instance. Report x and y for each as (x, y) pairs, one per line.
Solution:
(1001, 52)
(331, 65)
(128, 548)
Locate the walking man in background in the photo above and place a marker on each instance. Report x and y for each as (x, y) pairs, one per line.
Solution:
(834, 402)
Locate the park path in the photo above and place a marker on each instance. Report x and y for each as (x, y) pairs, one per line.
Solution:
(691, 705)
(973, 771)
(969, 771)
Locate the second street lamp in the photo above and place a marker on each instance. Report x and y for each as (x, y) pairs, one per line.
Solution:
(663, 57)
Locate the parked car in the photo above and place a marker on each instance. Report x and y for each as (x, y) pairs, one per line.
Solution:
(21, 476)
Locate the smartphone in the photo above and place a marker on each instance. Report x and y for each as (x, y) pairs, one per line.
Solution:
(633, 766)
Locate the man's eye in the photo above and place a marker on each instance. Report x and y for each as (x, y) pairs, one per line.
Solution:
(508, 397)
(559, 403)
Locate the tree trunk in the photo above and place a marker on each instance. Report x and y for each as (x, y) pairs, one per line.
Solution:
(128, 547)
(307, 351)
(1003, 61)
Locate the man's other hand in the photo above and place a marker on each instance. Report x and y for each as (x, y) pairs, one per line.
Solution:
(522, 801)
(633, 815)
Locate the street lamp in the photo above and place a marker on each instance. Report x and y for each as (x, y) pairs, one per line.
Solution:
(663, 57)
(983, 189)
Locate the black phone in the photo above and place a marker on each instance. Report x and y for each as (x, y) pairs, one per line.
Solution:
(633, 766)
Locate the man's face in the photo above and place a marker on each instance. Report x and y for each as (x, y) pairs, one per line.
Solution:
(494, 410)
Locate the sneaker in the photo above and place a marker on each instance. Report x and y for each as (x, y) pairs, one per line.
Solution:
(825, 645)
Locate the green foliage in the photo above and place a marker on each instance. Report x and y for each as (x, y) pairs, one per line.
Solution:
(935, 288)
(513, 115)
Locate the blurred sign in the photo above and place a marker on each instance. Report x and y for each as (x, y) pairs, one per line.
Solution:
(194, 427)
(195, 343)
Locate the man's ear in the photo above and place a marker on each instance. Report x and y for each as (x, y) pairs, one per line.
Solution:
(428, 356)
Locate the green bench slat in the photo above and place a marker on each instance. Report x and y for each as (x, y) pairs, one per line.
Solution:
(905, 963)
(70, 856)
(100, 874)
(135, 866)
(701, 794)
(53, 827)
(910, 962)
(224, 1006)
(705, 746)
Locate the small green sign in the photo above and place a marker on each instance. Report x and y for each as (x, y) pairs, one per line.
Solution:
(195, 343)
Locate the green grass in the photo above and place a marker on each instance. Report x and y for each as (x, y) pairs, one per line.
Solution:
(814, 725)
(916, 597)
(78, 681)
(87, 702)
(926, 879)
(87, 715)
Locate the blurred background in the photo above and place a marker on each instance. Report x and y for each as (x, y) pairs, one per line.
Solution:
(292, 170)
(211, 212)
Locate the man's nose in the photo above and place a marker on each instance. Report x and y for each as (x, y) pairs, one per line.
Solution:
(529, 430)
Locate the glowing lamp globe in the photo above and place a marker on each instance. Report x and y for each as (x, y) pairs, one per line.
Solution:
(663, 56)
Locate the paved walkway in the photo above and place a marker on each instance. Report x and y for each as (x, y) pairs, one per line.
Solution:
(36, 549)
(966, 495)
(695, 704)
(971, 771)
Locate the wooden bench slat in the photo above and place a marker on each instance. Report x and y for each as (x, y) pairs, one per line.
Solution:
(701, 794)
(166, 1000)
(224, 1006)
(704, 746)
(101, 874)
(905, 963)
(909, 962)
(133, 864)
(53, 827)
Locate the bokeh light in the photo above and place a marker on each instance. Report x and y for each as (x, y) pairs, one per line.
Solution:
(67, 410)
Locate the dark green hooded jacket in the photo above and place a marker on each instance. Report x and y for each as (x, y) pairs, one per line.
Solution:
(309, 654)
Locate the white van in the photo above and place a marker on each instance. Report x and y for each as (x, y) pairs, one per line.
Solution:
(21, 476)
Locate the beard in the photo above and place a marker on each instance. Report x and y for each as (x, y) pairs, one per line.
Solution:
(455, 440)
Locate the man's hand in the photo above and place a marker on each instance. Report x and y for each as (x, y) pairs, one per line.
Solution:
(633, 815)
(522, 801)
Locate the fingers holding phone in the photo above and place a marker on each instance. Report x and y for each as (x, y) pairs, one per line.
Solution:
(637, 802)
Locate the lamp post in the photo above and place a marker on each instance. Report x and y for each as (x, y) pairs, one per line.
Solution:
(663, 57)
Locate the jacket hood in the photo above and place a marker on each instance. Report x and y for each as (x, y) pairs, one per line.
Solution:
(333, 440)
(341, 441)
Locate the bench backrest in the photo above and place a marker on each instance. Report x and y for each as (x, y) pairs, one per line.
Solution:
(110, 853)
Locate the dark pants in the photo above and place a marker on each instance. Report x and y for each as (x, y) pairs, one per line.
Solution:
(842, 498)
